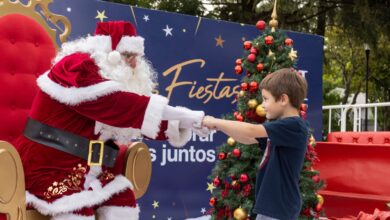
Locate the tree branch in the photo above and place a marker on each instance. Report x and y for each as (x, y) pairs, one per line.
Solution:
(313, 15)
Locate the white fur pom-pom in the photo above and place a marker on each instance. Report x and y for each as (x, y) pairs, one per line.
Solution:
(114, 57)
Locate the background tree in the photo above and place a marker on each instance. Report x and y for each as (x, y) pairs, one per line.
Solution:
(234, 174)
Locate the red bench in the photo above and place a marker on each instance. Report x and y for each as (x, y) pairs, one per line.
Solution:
(356, 169)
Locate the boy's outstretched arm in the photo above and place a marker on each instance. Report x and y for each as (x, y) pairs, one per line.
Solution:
(240, 131)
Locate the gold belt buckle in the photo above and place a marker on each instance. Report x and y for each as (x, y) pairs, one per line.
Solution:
(90, 150)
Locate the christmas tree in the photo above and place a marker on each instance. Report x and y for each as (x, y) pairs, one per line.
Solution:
(234, 174)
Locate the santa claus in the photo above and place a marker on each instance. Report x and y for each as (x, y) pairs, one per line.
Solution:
(97, 94)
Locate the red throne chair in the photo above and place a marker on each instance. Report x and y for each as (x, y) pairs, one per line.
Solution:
(356, 169)
(28, 45)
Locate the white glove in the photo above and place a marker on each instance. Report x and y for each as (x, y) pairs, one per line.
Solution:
(187, 117)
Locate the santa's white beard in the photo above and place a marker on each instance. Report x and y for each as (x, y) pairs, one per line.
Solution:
(140, 80)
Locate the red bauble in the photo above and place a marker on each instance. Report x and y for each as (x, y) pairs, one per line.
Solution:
(236, 153)
(304, 107)
(316, 178)
(251, 57)
(244, 86)
(216, 181)
(254, 51)
(269, 40)
(239, 118)
(238, 62)
(288, 42)
(238, 69)
(260, 67)
(246, 190)
(306, 212)
(244, 178)
(222, 156)
(303, 114)
(225, 192)
(235, 114)
(212, 201)
(247, 45)
(251, 114)
(253, 86)
(261, 25)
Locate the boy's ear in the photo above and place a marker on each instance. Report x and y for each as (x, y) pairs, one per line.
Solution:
(284, 99)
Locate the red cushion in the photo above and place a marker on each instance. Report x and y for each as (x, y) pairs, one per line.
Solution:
(360, 137)
(26, 52)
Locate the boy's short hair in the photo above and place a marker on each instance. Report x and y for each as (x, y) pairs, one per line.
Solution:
(286, 81)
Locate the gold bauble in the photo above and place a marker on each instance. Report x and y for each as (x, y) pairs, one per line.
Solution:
(320, 199)
(252, 103)
(235, 183)
(231, 141)
(241, 94)
(240, 214)
(260, 111)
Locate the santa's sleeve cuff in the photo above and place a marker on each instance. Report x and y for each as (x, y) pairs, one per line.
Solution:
(177, 137)
(153, 116)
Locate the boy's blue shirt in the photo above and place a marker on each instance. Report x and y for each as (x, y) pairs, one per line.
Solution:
(277, 182)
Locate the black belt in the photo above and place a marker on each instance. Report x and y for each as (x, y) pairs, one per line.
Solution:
(95, 152)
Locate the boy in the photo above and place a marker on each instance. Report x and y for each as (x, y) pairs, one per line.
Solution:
(277, 184)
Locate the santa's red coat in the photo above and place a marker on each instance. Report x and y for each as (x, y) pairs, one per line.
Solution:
(74, 97)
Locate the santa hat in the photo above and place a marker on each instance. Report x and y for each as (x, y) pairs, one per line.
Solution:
(123, 37)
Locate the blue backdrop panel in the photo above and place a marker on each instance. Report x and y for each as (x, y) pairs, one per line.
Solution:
(196, 72)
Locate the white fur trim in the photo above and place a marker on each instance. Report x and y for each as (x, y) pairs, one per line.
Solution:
(131, 44)
(114, 57)
(153, 116)
(120, 135)
(77, 201)
(90, 44)
(177, 137)
(118, 212)
(73, 95)
(92, 174)
(72, 217)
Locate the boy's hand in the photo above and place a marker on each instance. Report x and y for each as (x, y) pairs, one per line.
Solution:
(210, 122)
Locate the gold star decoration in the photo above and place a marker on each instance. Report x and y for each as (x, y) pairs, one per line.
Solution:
(101, 15)
(271, 54)
(220, 41)
(155, 204)
(210, 187)
(293, 54)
